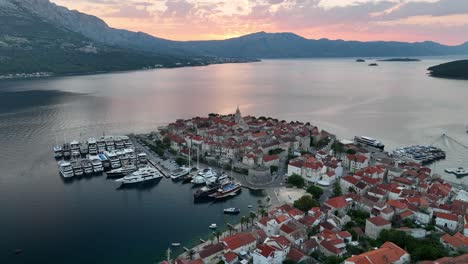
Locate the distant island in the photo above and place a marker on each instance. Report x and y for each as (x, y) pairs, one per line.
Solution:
(373, 64)
(360, 60)
(400, 59)
(453, 70)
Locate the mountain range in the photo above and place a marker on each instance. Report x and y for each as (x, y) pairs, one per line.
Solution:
(40, 36)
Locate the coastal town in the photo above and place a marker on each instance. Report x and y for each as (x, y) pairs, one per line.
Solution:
(347, 202)
(327, 200)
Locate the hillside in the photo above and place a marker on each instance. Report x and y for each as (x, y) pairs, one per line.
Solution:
(256, 45)
(30, 44)
(452, 70)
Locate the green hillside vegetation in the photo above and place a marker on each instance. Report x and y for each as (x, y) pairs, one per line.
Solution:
(455, 70)
(28, 45)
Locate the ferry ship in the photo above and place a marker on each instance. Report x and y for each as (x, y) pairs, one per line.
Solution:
(227, 190)
(141, 175)
(369, 142)
(65, 169)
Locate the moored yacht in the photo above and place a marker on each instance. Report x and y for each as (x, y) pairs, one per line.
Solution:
(77, 169)
(122, 171)
(101, 145)
(87, 166)
(65, 169)
(231, 210)
(127, 142)
(97, 164)
(179, 173)
(92, 146)
(198, 180)
(141, 175)
(142, 157)
(119, 143)
(227, 190)
(66, 151)
(110, 146)
(58, 151)
(206, 191)
(84, 148)
(105, 161)
(114, 159)
(75, 148)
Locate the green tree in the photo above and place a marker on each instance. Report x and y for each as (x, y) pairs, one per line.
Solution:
(263, 212)
(333, 260)
(305, 203)
(337, 189)
(315, 191)
(252, 217)
(273, 169)
(181, 161)
(350, 151)
(296, 180)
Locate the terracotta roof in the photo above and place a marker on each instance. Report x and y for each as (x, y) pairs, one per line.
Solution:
(230, 256)
(267, 158)
(328, 246)
(337, 202)
(350, 179)
(387, 253)
(295, 255)
(211, 250)
(406, 214)
(281, 218)
(295, 212)
(281, 240)
(458, 240)
(378, 221)
(451, 217)
(265, 250)
(238, 240)
(397, 204)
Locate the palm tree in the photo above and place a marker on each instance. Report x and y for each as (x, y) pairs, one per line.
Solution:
(191, 253)
(252, 217)
(230, 228)
(242, 222)
(263, 212)
(218, 234)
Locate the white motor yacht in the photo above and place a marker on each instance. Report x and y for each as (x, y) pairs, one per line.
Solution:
(97, 164)
(142, 157)
(122, 171)
(92, 146)
(84, 148)
(113, 159)
(65, 169)
(198, 180)
(179, 173)
(58, 151)
(141, 175)
(87, 166)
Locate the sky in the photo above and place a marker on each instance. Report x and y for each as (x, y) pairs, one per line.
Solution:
(444, 21)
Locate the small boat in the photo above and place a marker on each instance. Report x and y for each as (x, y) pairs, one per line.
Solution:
(187, 179)
(249, 206)
(175, 244)
(231, 210)
(373, 64)
(213, 226)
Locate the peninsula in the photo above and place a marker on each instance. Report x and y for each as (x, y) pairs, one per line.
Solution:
(329, 199)
(400, 59)
(452, 70)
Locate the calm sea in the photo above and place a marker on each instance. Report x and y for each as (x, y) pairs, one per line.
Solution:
(91, 221)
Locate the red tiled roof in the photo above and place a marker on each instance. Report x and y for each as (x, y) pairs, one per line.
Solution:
(350, 179)
(238, 240)
(267, 158)
(295, 255)
(265, 250)
(451, 217)
(387, 253)
(230, 256)
(378, 221)
(406, 214)
(281, 240)
(295, 212)
(281, 218)
(211, 250)
(337, 202)
(397, 204)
